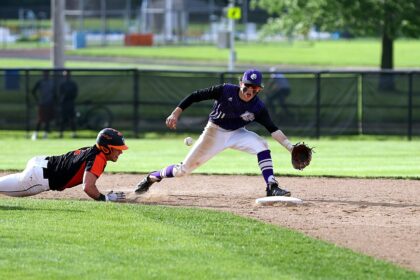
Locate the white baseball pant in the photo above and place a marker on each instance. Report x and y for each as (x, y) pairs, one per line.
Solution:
(214, 140)
(28, 182)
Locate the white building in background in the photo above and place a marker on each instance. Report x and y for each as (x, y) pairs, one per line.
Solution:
(6, 36)
(170, 21)
(171, 18)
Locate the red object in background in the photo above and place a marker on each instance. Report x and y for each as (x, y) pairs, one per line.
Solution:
(136, 39)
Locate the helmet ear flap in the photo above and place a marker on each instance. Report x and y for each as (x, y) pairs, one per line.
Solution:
(104, 149)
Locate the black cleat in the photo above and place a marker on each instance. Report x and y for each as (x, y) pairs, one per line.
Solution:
(144, 185)
(274, 190)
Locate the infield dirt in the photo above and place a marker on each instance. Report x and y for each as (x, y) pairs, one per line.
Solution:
(376, 217)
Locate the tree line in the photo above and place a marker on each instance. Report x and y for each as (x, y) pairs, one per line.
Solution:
(389, 19)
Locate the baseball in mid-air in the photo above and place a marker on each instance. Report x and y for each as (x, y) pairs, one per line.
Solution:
(188, 141)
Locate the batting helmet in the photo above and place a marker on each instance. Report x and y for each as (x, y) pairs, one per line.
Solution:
(110, 138)
(252, 77)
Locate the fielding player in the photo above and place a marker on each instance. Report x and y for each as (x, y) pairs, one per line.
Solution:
(234, 107)
(57, 173)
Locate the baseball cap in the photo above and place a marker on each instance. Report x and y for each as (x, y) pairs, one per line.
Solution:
(252, 77)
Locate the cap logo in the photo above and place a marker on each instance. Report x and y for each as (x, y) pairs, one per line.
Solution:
(106, 136)
(253, 76)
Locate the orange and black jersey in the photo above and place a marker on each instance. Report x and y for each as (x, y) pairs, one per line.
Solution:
(66, 171)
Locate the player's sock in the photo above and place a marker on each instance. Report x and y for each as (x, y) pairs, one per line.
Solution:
(166, 172)
(266, 165)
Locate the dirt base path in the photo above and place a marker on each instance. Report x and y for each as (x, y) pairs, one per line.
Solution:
(380, 218)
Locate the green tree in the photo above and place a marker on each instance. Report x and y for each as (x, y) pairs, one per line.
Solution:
(389, 19)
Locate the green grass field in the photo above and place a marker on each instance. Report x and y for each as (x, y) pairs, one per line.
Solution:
(348, 157)
(342, 53)
(44, 239)
(47, 239)
(322, 54)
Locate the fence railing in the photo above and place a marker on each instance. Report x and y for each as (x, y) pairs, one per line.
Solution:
(300, 102)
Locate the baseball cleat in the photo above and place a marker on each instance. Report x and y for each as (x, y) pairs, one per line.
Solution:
(144, 185)
(274, 190)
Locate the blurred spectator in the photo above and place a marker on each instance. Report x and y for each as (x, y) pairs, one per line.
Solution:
(68, 92)
(44, 95)
(279, 90)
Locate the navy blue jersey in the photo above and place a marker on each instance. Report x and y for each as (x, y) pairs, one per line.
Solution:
(229, 111)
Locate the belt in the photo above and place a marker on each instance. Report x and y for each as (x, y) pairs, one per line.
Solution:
(45, 172)
(45, 169)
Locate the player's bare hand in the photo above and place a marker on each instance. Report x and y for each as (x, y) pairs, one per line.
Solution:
(171, 121)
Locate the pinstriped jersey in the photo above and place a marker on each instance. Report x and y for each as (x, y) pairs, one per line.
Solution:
(229, 111)
(66, 171)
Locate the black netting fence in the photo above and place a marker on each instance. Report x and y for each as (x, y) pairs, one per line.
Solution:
(391, 103)
(300, 103)
(414, 104)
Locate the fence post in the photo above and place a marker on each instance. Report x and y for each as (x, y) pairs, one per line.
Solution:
(410, 105)
(318, 105)
(28, 105)
(360, 104)
(136, 101)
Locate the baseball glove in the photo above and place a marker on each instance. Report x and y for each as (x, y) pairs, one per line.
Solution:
(301, 156)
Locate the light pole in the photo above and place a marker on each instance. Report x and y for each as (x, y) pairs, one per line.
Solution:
(57, 51)
(232, 55)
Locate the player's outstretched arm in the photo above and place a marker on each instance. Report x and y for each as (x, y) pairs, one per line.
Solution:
(89, 186)
(282, 139)
(172, 120)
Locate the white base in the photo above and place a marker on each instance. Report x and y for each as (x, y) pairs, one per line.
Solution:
(270, 200)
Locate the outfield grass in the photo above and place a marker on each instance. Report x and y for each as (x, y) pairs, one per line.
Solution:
(47, 239)
(322, 54)
(332, 157)
(343, 53)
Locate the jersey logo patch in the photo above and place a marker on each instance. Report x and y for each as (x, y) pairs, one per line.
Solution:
(248, 116)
